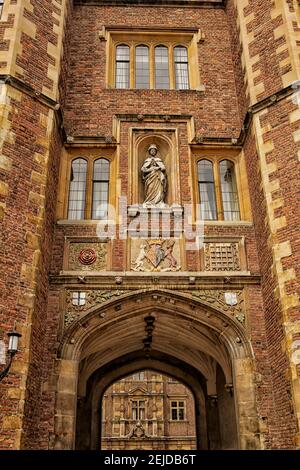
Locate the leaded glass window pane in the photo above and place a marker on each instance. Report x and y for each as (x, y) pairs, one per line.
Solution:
(181, 68)
(229, 191)
(100, 189)
(142, 73)
(122, 66)
(138, 376)
(77, 189)
(177, 410)
(138, 409)
(162, 80)
(206, 182)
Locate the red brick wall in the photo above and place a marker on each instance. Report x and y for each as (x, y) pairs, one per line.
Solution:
(27, 229)
(237, 50)
(88, 110)
(90, 106)
(272, 362)
(275, 403)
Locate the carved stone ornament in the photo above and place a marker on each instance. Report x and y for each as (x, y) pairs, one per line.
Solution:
(137, 431)
(217, 299)
(93, 298)
(221, 256)
(211, 298)
(87, 256)
(157, 255)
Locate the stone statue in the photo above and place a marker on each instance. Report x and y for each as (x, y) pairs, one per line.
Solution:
(155, 179)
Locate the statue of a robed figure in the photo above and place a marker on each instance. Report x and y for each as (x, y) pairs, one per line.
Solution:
(154, 178)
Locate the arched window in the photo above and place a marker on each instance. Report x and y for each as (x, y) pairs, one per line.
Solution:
(162, 79)
(142, 74)
(207, 194)
(77, 190)
(181, 68)
(230, 200)
(122, 66)
(100, 189)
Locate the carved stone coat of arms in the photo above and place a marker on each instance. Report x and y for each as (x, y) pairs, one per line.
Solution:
(157, 255)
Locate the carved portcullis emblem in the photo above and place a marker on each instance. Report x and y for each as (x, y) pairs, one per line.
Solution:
(156, 255)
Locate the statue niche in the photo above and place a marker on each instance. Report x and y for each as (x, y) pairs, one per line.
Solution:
(154, 178)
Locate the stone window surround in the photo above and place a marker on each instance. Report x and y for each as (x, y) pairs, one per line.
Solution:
(177, 400)
(90, 155)
(216, 156)
(152, 37)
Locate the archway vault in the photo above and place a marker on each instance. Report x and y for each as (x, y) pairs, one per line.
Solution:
(102, 378)
(164, 323)
(180, 306)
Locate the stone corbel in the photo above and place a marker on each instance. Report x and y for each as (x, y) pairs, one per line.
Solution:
(229, 389)
(200, 36)
(212, 400)
(102, 34)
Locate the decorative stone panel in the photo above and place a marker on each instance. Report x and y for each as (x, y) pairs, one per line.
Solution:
(222, 256)
(229, 302)
(155, 255)
(85, 256)
(92, 298)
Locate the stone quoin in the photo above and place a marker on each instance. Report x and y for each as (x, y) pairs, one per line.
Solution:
(189, 111)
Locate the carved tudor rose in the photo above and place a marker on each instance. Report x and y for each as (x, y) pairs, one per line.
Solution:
(87, 256)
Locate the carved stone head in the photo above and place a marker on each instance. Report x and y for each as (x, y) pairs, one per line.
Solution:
(153, 150)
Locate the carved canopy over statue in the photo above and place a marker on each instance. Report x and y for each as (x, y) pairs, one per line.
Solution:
(155, 179)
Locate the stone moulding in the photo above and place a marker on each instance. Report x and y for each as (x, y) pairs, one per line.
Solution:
(87, 256)
(214, 299)
(175, 3)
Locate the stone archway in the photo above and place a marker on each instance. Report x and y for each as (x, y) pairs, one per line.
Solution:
(184, 330)
(89, 409)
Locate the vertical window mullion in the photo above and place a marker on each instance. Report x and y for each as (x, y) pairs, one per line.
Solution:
(132, 66)
(171, 68)
(152, 66)
(89, 189)
(218, 191)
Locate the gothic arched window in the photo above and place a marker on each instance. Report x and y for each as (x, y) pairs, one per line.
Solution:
(207, 194)
(142, 70)
(162, 78)
(181, 68)
(122, 66)
(230, 200)
(100, 189)
(218, 193)
(77, 189)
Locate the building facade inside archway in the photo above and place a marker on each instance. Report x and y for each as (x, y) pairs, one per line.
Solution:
(149, 210)
(147, 410)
